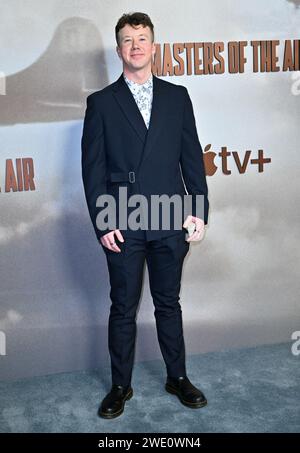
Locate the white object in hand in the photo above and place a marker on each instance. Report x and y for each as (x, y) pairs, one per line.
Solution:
(191, 228)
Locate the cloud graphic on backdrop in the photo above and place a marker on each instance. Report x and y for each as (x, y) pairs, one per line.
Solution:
(12, 228)
(12, 317)
(54, 87)
(296, 2)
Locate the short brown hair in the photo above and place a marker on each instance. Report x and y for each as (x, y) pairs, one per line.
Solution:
(134, 19)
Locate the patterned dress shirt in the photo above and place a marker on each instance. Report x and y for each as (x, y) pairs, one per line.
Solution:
(143, 95)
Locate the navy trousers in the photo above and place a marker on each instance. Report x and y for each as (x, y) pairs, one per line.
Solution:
(164, 258)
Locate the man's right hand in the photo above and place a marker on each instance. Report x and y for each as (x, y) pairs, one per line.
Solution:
(108, 240)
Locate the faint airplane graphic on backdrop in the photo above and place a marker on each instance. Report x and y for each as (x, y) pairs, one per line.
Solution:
(55, 87)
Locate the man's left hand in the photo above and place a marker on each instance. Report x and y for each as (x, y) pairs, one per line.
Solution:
(199, 226)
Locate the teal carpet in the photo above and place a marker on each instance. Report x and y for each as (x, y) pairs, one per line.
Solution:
(248, 390)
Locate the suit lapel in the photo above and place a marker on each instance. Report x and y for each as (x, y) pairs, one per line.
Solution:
(130, 109)
(128, 105)
(158, 115)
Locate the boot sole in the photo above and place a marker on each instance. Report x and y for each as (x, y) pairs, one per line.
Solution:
(116, 414)
(186, 403)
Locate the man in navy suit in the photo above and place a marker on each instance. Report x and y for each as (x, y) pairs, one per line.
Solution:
(140, 135)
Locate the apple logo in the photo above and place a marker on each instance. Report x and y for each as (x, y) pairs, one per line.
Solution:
(208, 157)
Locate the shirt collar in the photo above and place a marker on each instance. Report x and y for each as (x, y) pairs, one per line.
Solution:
(147, 84)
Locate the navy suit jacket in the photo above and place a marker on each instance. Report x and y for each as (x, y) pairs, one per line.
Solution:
(119, 151)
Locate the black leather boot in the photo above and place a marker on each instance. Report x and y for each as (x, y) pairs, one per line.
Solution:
(113, 404)
(187, 393)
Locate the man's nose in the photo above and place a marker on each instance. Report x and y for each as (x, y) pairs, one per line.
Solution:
(134, 44)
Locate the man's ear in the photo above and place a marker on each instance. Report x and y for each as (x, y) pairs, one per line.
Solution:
(154, 50)
(118, 51)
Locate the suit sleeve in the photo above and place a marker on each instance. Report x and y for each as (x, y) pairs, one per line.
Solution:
(191, 160)
(93, 162)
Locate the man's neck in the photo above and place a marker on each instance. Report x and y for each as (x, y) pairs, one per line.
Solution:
(139, 77)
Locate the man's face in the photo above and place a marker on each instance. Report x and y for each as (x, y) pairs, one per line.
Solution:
(136, 48)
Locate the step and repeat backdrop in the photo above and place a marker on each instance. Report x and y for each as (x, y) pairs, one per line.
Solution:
(240, 61)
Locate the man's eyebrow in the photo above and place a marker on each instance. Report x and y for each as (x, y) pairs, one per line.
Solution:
(127, 36)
